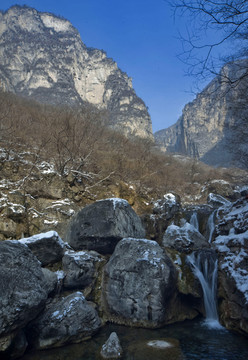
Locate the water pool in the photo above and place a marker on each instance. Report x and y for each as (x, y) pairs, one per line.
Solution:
(193, 339)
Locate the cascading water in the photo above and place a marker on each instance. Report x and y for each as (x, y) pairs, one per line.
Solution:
(211, 226)
(194, 221)
(205, 266)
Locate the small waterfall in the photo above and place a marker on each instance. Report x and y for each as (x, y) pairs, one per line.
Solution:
(205, 266)
(211, 226)
(194, 221)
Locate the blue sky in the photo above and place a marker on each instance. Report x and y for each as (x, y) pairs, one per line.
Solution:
(141, 36)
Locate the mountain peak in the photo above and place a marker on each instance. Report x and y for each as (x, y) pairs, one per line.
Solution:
(43, 57)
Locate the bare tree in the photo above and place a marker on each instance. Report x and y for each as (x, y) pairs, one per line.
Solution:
(212, 24)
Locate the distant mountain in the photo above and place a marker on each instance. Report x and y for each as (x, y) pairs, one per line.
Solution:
(43, 57)
(214, 127)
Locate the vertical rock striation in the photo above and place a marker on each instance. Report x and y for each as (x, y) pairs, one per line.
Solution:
(43, 57)
(213, 127)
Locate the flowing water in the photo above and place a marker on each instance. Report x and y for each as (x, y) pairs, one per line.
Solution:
(190, 340)
(194, 221)
(211, 226)
(205, 269)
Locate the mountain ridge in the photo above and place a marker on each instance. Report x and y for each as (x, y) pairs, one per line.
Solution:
(213, 127)
(43, 57)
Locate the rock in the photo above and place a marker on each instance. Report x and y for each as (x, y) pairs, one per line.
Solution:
(217, 200)
(13, 346)
(160, 349)
(232, 245)
(169, 205)
(79, 268)
(112, 348)
(213, 126)
(94, 79)
(47, 247)
(101, 225)
(64, 321)
(51, 280)
(138, 280)
(184, 239)
(22, 286)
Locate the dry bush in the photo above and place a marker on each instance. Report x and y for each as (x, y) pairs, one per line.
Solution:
(76, 141)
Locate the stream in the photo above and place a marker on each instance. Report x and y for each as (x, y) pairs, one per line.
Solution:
(196, 341)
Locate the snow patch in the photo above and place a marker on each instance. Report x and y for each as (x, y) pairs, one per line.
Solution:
(231, 246)
(47, 235)
(117, 201)
(55, 23)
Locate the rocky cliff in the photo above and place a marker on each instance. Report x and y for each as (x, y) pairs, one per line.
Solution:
(213, 127)
(43, 57)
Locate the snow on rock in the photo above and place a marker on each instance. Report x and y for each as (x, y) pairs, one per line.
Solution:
(47, 247)
(184, 239)
(234, 255)
(46, 168)
(65, 320)
(117, 201)
(217, 200)
(169, 205)
(232, 245)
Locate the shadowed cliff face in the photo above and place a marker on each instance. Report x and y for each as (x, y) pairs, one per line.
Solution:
(214, 127)
(43, 57)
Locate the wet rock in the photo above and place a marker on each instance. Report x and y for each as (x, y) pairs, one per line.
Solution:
(13, 345)
(139, 280)
(22, 286)
(112, 348)
(160, 349)
(64, 321)
(47, 247)
(80, 268)
(184, 239)
(100, 226)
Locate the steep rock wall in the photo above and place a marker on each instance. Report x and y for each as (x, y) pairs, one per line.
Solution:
(43, 57)
(214, 127)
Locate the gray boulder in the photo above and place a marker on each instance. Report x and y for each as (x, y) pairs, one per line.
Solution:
(47, 247)
(101, 225)
(80, 268)
(51, 281)
(169, 205)
(184, 239)
(13, 345)
(65, 320)
(139, 279)
(112, 348)
(22, 286)
(232, 248)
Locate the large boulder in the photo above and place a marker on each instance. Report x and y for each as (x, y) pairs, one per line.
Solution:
(139, 280)
(232, 246)
(47, 247)
(80, 268)
(101, 225)
(65, 320)
(184, 239)
(23, 289)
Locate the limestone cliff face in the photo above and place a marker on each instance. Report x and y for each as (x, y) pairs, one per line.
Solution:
(214, 127)
(43, 57)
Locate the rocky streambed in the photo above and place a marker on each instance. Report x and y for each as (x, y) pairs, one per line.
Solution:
(114, 267)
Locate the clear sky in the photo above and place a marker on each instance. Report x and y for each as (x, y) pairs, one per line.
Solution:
(142, 37)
